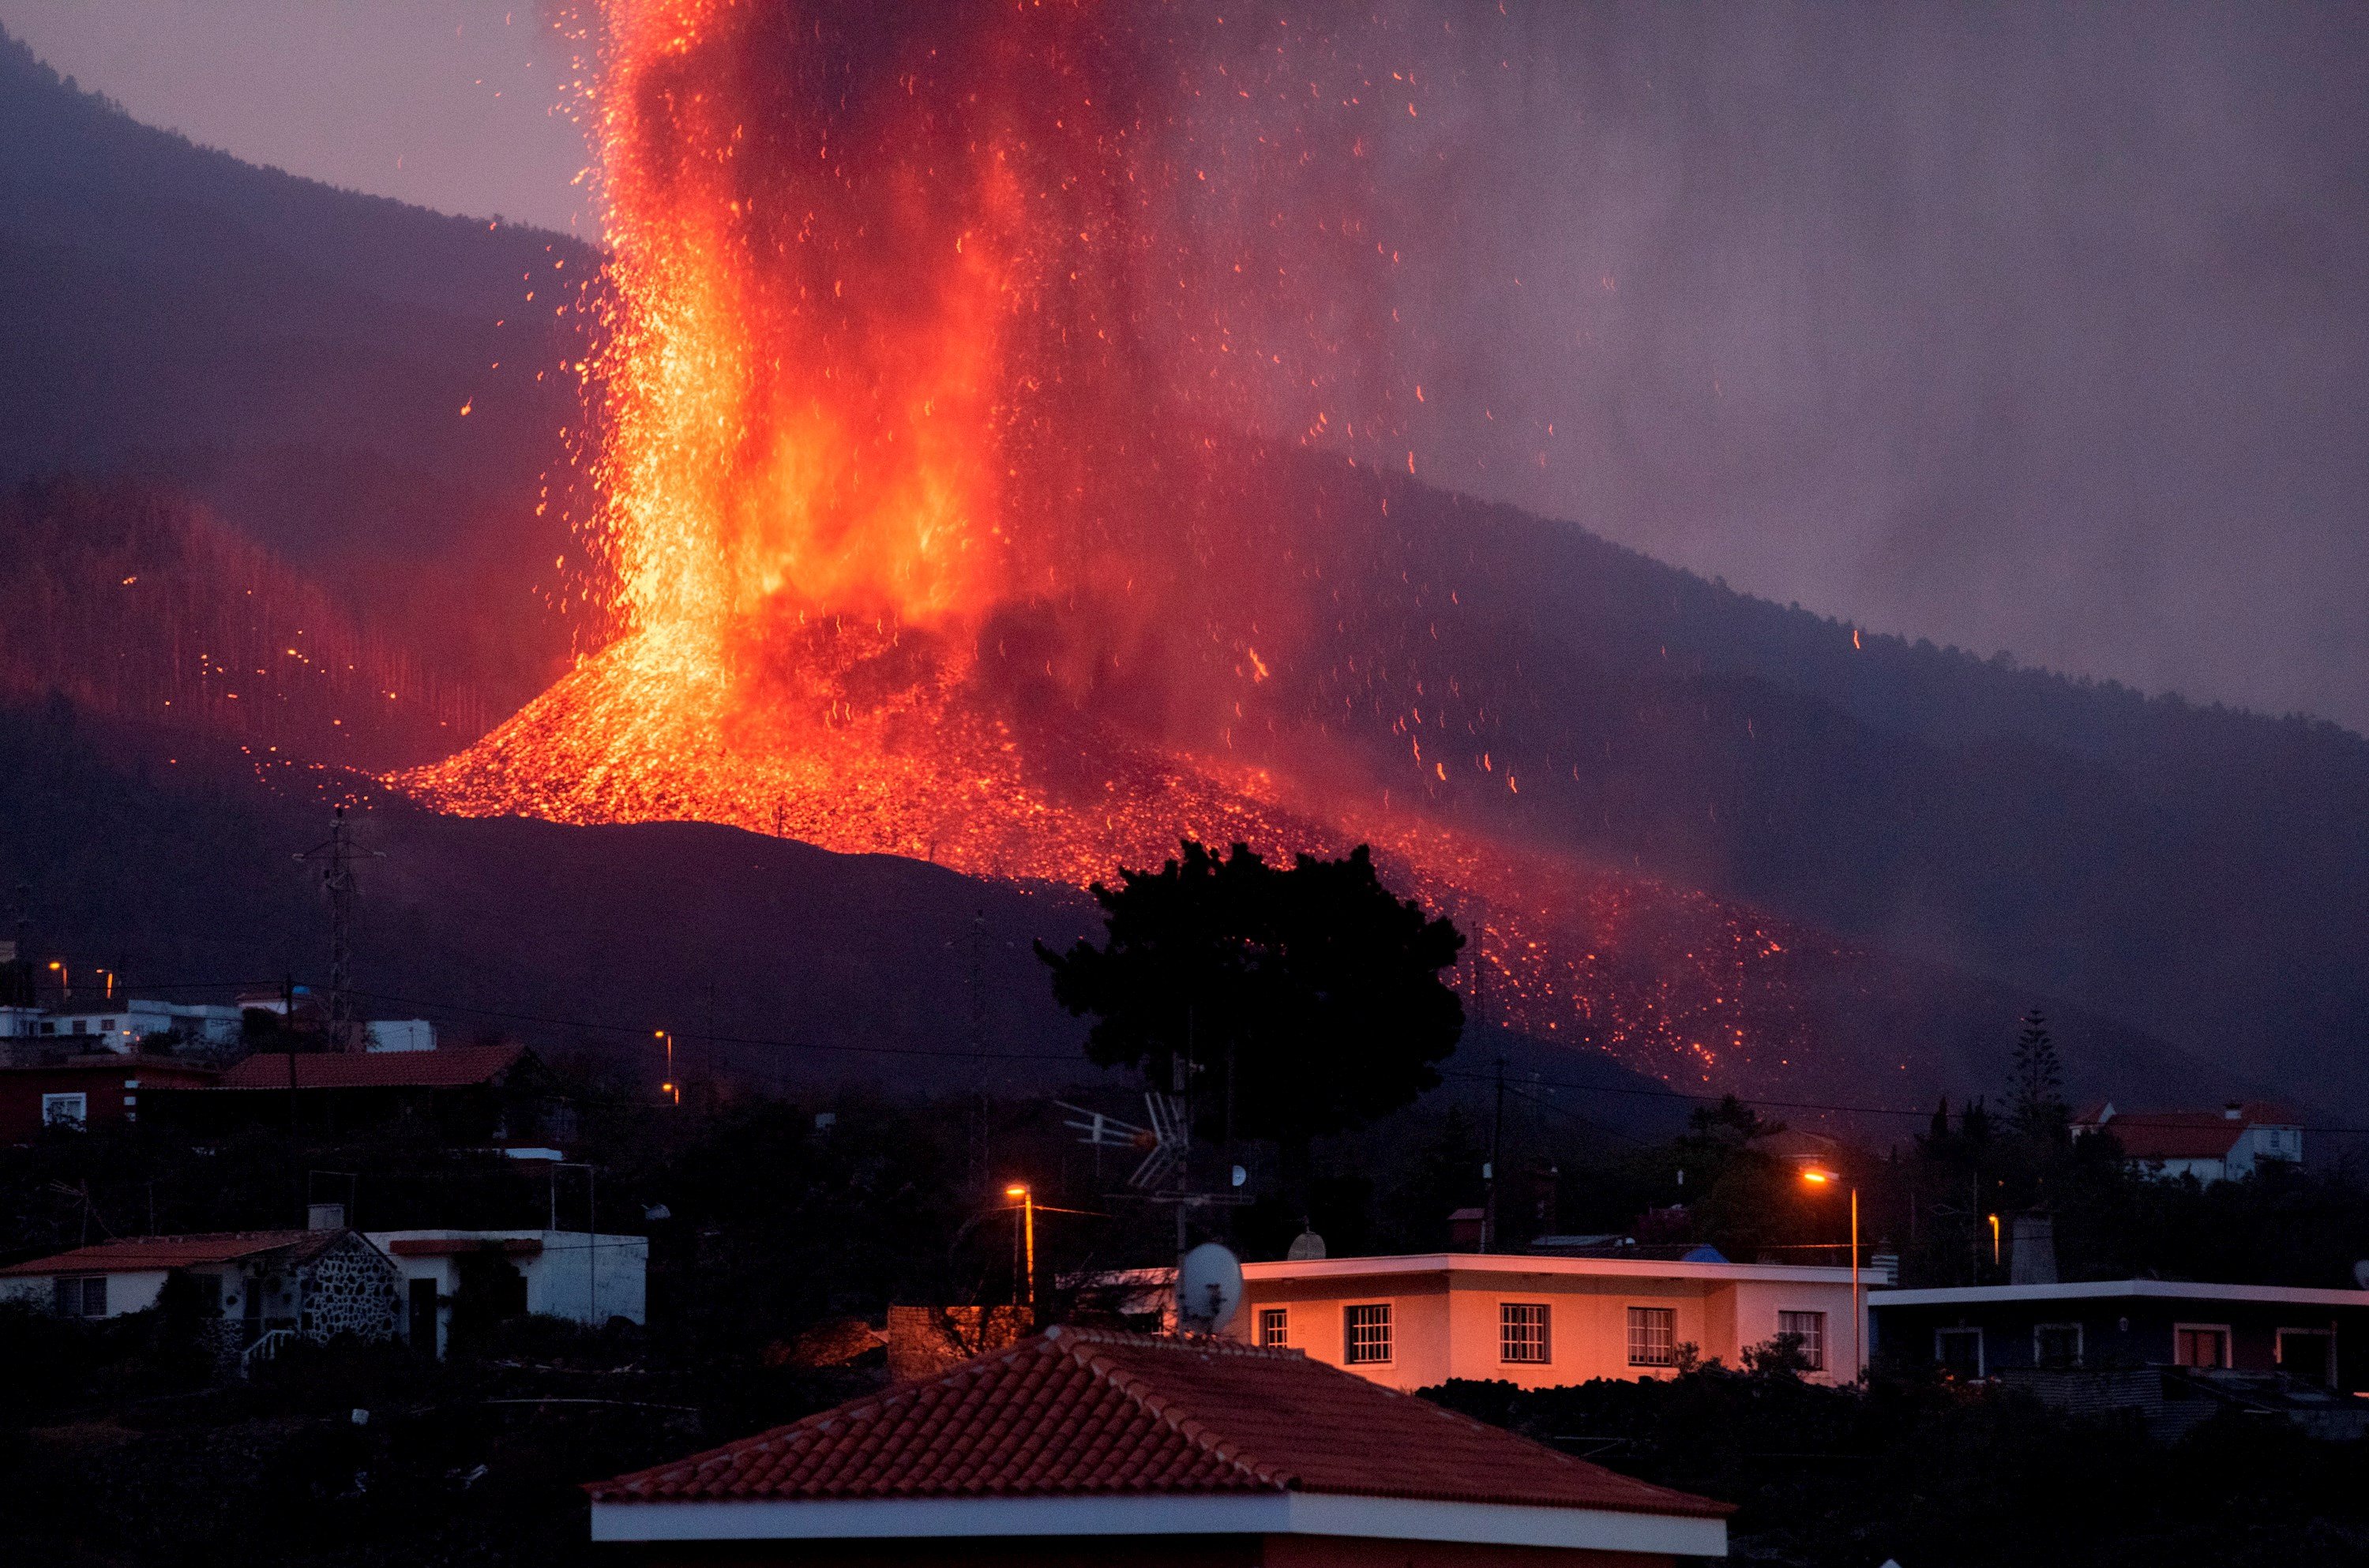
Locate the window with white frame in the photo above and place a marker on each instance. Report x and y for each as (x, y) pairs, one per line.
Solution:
(1366, 1337)
(1810, 1330)
(1960, 1351)
(83, 1295)
(1275, 1326)
(2204, 1346)
(2309, 1353)
(1522, 1333)
(2057, 1345)
(1652, 1337)
(65, 1110)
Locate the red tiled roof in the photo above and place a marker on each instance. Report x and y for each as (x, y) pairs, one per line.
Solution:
(2189, 1135)
(1089, 1411)
(448, 1066)
(134, 1254)
(109, 1065)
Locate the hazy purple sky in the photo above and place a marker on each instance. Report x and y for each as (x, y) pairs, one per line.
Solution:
(445, 103)
(2019, 327)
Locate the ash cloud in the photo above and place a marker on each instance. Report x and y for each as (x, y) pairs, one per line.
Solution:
(2015, 328)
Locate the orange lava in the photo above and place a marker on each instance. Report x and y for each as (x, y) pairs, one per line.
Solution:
(907, 531)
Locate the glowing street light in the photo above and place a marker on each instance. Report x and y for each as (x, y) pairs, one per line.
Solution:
(1028, 1235)
(670, 1088)
(1818, 1175)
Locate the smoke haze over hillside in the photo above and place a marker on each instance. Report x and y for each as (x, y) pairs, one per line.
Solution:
(2013, 330)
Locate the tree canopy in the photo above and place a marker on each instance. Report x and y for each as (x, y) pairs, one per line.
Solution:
(1307, 1000)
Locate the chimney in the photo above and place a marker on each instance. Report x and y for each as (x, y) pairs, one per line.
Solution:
(330, 1216)
(2034, 1261)
(1464, 1231)
(2235, 1111)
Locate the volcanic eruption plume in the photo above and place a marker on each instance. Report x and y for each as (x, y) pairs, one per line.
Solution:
(944, 360)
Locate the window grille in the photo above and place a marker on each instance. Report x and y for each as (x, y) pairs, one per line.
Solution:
(1522, 1333)
(1652, 1337)
(1275, 1326)
(1368, 1341)
(1809, 1328)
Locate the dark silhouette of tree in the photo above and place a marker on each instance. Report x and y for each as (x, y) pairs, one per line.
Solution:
(2039, 1080)
(1305, 1001)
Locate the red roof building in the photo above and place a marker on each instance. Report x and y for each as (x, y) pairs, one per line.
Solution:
(2212, 1146)
(476, 1094)
(81, 1092)
(1091, 1446)
(447, 1067)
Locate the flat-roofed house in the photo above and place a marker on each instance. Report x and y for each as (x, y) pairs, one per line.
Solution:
(1085, 1447)
(1542, 1322)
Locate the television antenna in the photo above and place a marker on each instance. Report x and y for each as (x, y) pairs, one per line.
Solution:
(1163, 1143)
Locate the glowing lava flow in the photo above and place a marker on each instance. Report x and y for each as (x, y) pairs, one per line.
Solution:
(912, 541)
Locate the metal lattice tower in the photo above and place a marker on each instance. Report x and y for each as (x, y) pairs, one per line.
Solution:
(336, 859)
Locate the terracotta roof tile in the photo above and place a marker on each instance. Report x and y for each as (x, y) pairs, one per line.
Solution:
(130, 1253)
(1084, 1410)
(448, 1066)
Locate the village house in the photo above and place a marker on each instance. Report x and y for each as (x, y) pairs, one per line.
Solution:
(582, 1276)
(1085, 1447)
(87, 1091)
(1543, 1322)
(255, 1285)
(2226, 1145)
(466, 1094)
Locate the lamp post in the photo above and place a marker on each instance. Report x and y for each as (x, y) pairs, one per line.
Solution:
(669, 1087)
(1028, 1237)
(1820, 1177)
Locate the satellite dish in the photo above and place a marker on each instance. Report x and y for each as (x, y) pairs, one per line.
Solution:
(1208, 1289)
(1306, 1247)
(2361, 1274)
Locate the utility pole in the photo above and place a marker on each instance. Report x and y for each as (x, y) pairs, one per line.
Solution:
(1496, 1152)
(336, 858)
(978, 1039)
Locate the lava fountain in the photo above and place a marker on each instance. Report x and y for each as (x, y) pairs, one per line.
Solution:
(928, 525)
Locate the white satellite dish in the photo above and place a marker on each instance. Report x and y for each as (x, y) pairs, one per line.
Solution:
(1208, 1289)
(2361, 1274)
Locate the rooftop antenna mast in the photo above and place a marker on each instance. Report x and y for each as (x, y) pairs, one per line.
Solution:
(335, 857)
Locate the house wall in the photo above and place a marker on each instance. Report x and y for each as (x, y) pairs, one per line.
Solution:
(131, 1291)
(1136, 1552)
(2127, 1331)
(585, 1278)
(1447, 1323)
(111, 1091)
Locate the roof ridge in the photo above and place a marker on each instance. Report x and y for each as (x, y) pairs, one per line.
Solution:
(1078, 1345)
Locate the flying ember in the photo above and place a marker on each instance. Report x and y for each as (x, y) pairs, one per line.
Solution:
(936, 515)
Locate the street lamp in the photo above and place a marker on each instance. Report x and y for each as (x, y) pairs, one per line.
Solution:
(669, 1087)
(1819, 1177)
(1028, 1235)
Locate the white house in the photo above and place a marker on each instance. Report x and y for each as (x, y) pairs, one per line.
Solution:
(313, 1283)
(121, 1025)
(584, 1277)
(2226, 1145)
(1543, 1322)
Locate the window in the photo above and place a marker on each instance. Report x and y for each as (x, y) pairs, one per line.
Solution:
(1960, 1351)
(78, 1024)
(1275, 1326)
(65, 1110)
(1522, 1333)
(2202, 1345)
(1809, 1328)
(2057, 1345)
(2309, 1353)
(82, 1297)
(1652, 1337)
(1367, 1340)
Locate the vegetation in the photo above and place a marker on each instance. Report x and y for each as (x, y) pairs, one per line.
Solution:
(1309, 997)
(1937, 1476)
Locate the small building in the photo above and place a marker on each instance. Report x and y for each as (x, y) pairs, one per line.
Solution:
(2212, 1146)
(87, 1091)
(1093, 1447)
(2315, 1336)
(1542, 1322)
(313, 1283)
(584, 1277)
(473, 1094)
(125, 1026)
